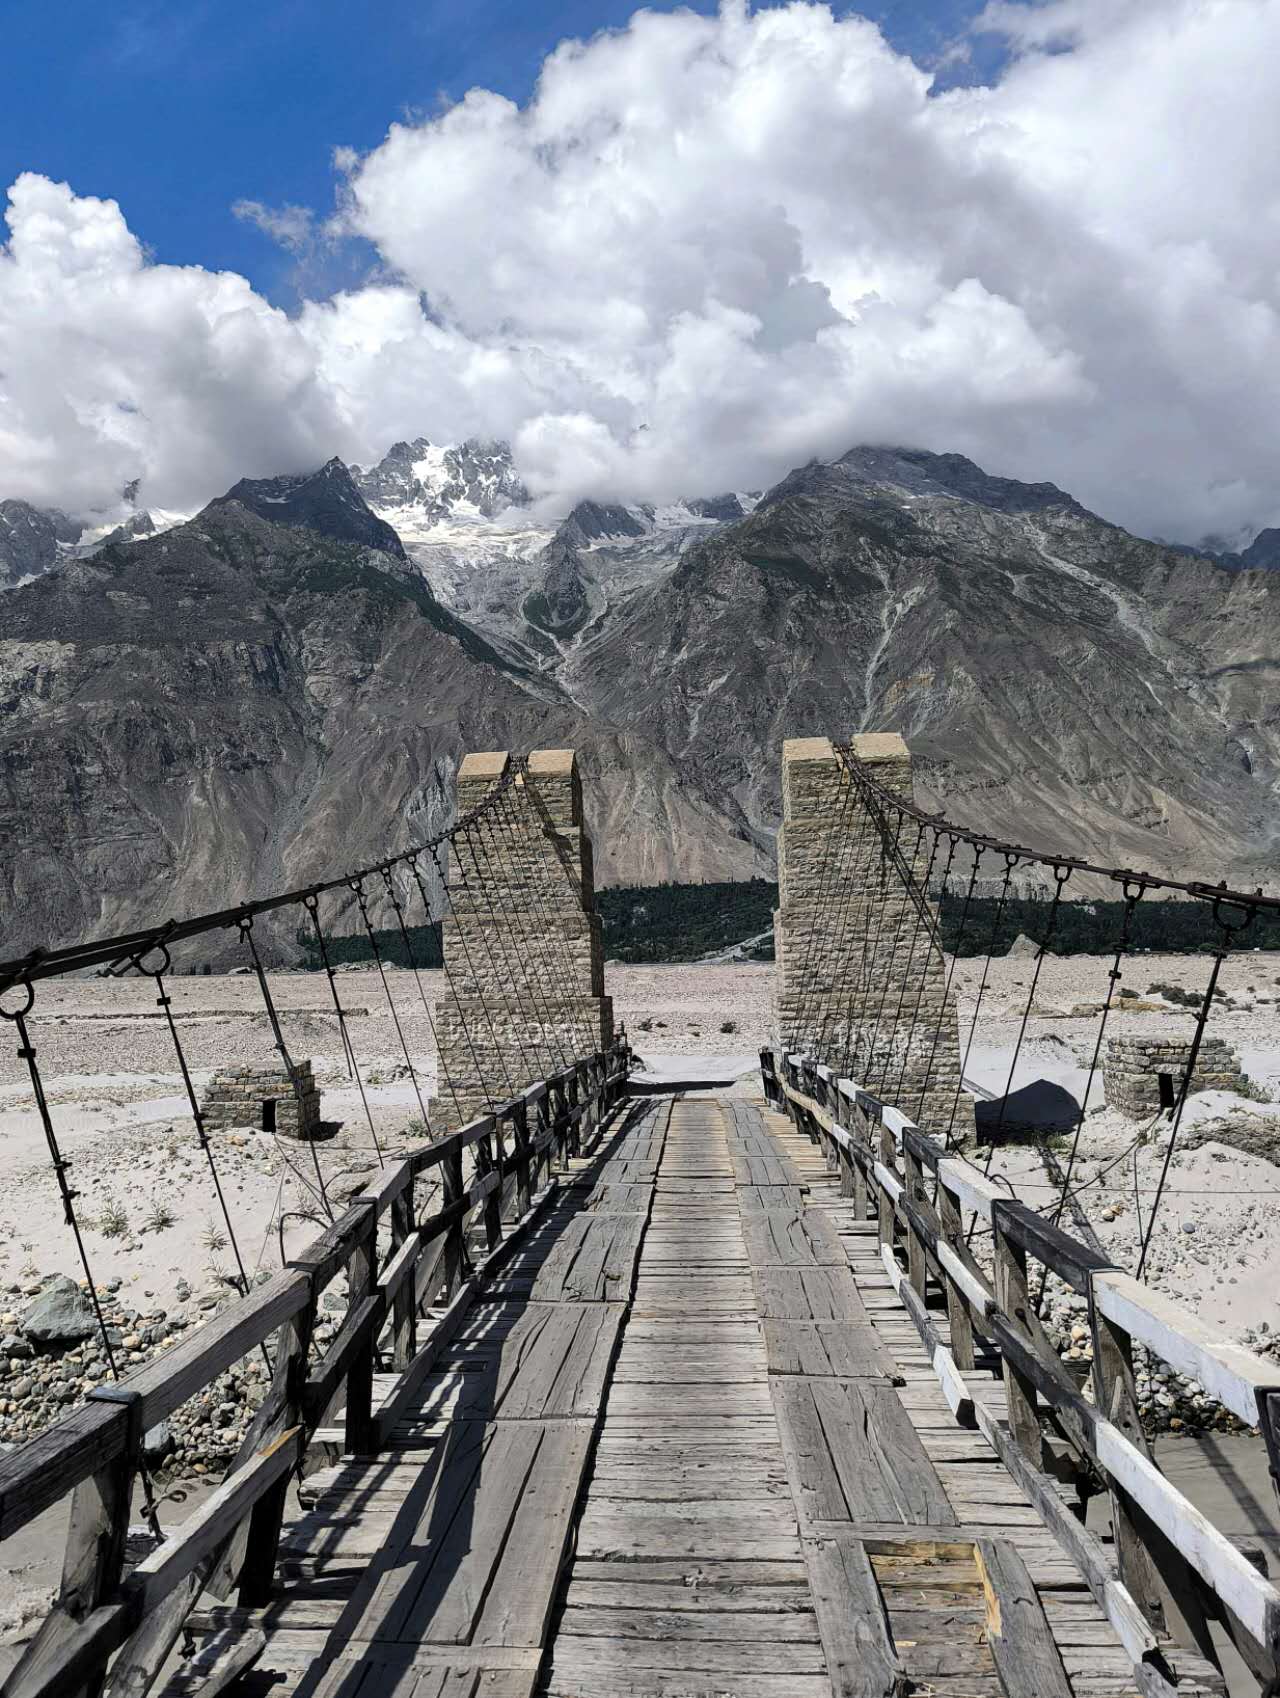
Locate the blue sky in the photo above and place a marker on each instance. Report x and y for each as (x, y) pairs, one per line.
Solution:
(179, 108)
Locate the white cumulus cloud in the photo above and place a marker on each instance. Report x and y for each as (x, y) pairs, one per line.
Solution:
(708, 248)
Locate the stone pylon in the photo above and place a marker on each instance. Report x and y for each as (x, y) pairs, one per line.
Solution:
(523, 957)
(860, 980)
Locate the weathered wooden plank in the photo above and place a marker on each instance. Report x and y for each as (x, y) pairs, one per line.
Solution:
(478, 1563)
(1021, 1641)
(843, 1349)
(862, 1660)
(47, 1467)
(770, 1197)
(792, 1238)
(593, 1260)
(206, 1528)
(577, 1653)
(553, 1361)
(809, 1294)
(852, 1454)
(648, 1621)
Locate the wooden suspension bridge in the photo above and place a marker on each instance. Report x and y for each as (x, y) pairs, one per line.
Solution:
(687, 1393)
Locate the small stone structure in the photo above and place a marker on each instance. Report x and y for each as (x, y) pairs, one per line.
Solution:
(1133, 1066)
(523, 952)
(264, 1097)
(838, 895)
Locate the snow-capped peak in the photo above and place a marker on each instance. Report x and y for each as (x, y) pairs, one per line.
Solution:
(468, 480)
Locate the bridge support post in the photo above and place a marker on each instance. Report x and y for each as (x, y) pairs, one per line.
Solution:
(522, 943)
(860, 981)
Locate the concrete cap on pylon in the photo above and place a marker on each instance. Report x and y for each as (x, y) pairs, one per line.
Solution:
(880, 746)
(490, 764)
(552, 763)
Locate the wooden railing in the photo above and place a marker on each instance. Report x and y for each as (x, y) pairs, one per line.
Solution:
(926, 1201)
(229, 1546)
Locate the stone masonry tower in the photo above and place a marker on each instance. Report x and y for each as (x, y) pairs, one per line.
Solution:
(859, 982)
(522, 944)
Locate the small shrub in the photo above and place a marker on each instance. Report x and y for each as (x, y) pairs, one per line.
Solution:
(113, 1222)
(213, 1238)
(159, 1219)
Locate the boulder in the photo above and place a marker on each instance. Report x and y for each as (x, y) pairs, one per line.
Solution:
(60, 1314)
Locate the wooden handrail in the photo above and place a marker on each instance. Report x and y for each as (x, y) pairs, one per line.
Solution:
(97, 1449)
(1157, 1529)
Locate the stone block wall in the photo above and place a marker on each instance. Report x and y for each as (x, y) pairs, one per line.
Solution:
(1132, 1067)
(858, 981)
(237, 1096)
(524, 958)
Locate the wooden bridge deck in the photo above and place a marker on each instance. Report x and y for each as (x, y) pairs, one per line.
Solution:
(688, 1443)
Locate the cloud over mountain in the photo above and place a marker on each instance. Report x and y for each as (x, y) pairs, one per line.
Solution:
(708, 248)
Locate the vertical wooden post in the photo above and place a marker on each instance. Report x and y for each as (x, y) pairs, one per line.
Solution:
(1116, 1397)
(520, 1132)
(1269, 1422)
(1014, 1298)
(543, 1126)
(861, 1190)
(283, 1409)
(571, 1102)
(889, 1159)
(952, 1226)
(405, 1329)
(487, 1160)
(913, 1186)
(847, 1168)
(362, 1273)
(93, 1558)
(454, 1244)
(557, 1108)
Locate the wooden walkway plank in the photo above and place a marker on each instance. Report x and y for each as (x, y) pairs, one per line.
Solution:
(1021, 1641)
(792, 1238)
(862, 1658)
(843, 1349)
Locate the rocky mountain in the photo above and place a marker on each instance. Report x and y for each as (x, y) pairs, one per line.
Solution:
(140, 525)
(1062, 682)
(1262, 554)
(328, 502)
(530, 585)
(31, 539)
(433, 482)
(251, 697)
(239, 705)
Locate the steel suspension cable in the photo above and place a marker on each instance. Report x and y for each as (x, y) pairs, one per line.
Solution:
(312, 905)
(905, 903)
(27, 1052)
(1061, 876)
(946, 1002)
(247, 937)
(1202, 1019)
(362, 902)
(1009, 864)
(929, 947)
(398, 909)
(1132, 896)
